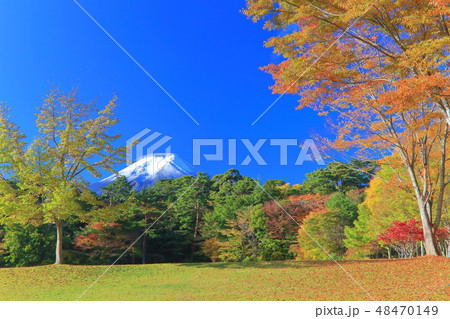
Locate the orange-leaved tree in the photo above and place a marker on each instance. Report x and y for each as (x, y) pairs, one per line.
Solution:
(382, 67)
(336, 47)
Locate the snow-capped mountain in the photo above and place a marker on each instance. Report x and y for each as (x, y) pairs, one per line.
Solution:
(148, 170)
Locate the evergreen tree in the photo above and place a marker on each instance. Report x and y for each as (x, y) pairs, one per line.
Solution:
(339, 177)
(150, 205)
(192, 203)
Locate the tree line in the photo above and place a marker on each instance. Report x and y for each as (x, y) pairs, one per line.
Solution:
(343, 211)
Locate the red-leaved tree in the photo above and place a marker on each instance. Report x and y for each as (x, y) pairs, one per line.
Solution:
(103, 241)
(279, 221)
(404, 237)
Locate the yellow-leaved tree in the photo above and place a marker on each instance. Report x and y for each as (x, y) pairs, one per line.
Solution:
(44, 181)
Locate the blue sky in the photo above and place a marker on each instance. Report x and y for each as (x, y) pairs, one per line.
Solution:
(206, 54)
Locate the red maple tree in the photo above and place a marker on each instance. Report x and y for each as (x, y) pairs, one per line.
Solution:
(403, 237)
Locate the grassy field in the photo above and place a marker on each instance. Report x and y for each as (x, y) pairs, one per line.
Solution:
(423, 278)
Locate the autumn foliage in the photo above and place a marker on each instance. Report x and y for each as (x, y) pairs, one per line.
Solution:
(405, 236)
(279, 219)
(339, 51)
(381, 69)
(103, 240)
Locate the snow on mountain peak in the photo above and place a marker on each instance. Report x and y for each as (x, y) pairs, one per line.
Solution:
(149, 169)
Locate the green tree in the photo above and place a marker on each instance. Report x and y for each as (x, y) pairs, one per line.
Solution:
(230, 192)
(344, 206)
(26, 245)
(320, 225)
(193, 200)
(223, 185)
(361, 236)
(192, 203)
(150, 205)
(327, 228)
(339, 177)
(247, 238)
(117, 192)
(390, 198)
(271, 190)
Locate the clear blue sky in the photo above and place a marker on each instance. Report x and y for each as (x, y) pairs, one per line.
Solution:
(205, 53)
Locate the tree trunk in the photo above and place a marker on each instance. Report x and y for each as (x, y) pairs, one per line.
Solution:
(144, 241)
(144, 248)
(430, 243)
(196, 230)
(445, 107)
(59, 241)
(197, 221)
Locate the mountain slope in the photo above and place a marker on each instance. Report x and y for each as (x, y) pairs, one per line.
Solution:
(149, 169)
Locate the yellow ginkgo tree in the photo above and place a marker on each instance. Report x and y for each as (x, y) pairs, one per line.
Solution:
(44, 181)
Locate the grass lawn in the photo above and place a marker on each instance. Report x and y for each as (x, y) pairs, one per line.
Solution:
(424, 278)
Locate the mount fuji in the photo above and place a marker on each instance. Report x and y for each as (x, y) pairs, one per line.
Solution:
(148, 170)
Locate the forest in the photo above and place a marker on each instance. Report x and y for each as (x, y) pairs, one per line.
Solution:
(345, 210)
